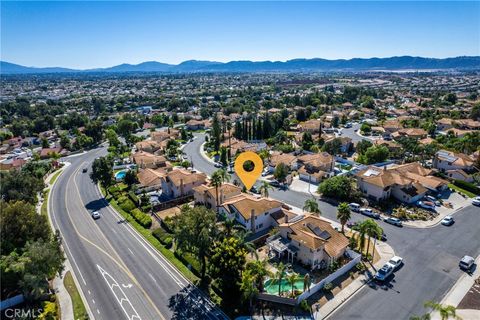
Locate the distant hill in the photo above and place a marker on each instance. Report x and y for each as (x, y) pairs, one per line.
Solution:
(295, 65)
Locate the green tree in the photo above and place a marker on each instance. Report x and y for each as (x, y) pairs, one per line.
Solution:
(333, 146)
(223, 155)
(195, 231)
(451, 98)
(264, 187)
(130, 178)
(343, 214)
(363, 145)
(307, 141)
(227, 262)
(338, 187)
(102, 172)
(112, 138)
(20, 223)
(216, 133)
(446, 312)
(281, 172)
(20, 185)
(365, 128)
(374, 154)
(279, 276)
(370, 228)
(248, 288)
(475, 112)
(216, 181)
(292, 278)
(311, 205)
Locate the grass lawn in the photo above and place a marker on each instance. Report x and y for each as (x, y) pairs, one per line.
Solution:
(79, 311)
(147, 234)
(458, 189)
(43, 208)
(55, 176)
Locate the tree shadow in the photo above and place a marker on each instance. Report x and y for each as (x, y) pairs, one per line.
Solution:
(190, 303)
(96, 205)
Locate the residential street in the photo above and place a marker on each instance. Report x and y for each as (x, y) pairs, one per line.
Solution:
(430, 255)
(120, 274)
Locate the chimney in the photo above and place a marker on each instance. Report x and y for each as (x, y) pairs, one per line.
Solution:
(252, 220)
(286, 218)
(181, 187)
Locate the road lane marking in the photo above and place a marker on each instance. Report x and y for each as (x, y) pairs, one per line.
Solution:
(130, 251)
(89, 292)
(98, 311)
(121, 265)
(152, 277)
(93, 301)
(112, 284)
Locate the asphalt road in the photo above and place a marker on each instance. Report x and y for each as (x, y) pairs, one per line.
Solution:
(120, 274)
(431, 256)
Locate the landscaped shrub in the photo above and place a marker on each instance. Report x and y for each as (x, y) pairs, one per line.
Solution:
(127, 205)
(467, 186)
(164, 237)
(169, 224)
(133, 197)
(188, 259)
(114, 190)
(328, 287)
(142, 218)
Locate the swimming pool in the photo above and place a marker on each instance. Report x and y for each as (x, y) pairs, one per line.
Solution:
(271, 285)
(120, 175)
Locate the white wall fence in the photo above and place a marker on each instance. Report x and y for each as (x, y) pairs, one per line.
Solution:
(344, 269)
(315, 287)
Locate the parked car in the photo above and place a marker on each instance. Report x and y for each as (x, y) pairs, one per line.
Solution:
(434, 200)
(264, 173)
(218, 165)
(476, 201)
(275, 183)
(447, 221)
(395, 262)
(95, 215)
(348, 125)
(395, 221)
(354, 206)
(254, 190)
(426, 205)
(384, 272)
(85, 170)
(369, 213)
(466, 263)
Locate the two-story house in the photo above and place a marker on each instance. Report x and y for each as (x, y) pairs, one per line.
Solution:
(207, 195)
(455, 165)
(179, 183)
(315, 167)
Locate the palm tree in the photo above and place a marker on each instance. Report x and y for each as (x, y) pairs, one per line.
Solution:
(292, 278)
(259, 270)
(371, 229)
(425, 316)
(223, 174)
(311, 205)
(446, 312)
(264, 187)
(248, 287)
(343, 214)
(279, 276)
(217, 182)
(361, 236)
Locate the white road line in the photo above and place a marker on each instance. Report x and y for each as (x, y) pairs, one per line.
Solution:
(131, 251)
(98, 311)
(89, 292)
(121, 300)
(93, 301)
(152, 277)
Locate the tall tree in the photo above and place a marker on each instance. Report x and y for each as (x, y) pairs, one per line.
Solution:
(371, 229)
(311, 205)
(446, 312)
(102, 172)
(217, 181)
(216, 133)
(343, 214)
(264, 187)
(195, 231)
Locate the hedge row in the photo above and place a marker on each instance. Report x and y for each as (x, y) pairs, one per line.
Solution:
(143, 219)
(467, 186)
(133, 197)
(164, 237)
(189, 260)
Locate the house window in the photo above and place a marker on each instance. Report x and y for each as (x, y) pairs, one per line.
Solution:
(260, 226)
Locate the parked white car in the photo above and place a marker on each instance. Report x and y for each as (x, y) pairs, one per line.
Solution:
(384, 272)
(447, 221)
(354, 207)
(395, 262)
(95, 215)
(476, 201)
(369, 213)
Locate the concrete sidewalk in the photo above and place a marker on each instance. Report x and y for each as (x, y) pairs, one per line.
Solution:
(458, 292)
(323, 312)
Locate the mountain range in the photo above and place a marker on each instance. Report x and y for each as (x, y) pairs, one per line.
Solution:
(295, 65)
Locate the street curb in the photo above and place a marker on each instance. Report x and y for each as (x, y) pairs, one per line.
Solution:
(204, 155)
(436, 223)
(69, 267)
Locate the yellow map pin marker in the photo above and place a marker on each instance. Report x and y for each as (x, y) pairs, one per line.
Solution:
(248, 177)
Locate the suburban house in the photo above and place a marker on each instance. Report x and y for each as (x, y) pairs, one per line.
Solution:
(415, 133)
(150, 146)
(148, 160)
(207, 195)
(150, 179)
(455, 165)
(160, 136)
(309, 240)
(197, 124)
(288, 159)
(312, 126)
(12, 164)
(406, 183)
(314, 167)
(179, 182)
(255, 214)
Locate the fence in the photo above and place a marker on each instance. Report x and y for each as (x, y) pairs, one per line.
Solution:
(172, 203)
(317, 286)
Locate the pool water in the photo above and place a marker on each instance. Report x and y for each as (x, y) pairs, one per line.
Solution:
(120, 175)
(271, 285)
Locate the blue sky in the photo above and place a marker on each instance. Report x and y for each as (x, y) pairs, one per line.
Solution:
(100, 34)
